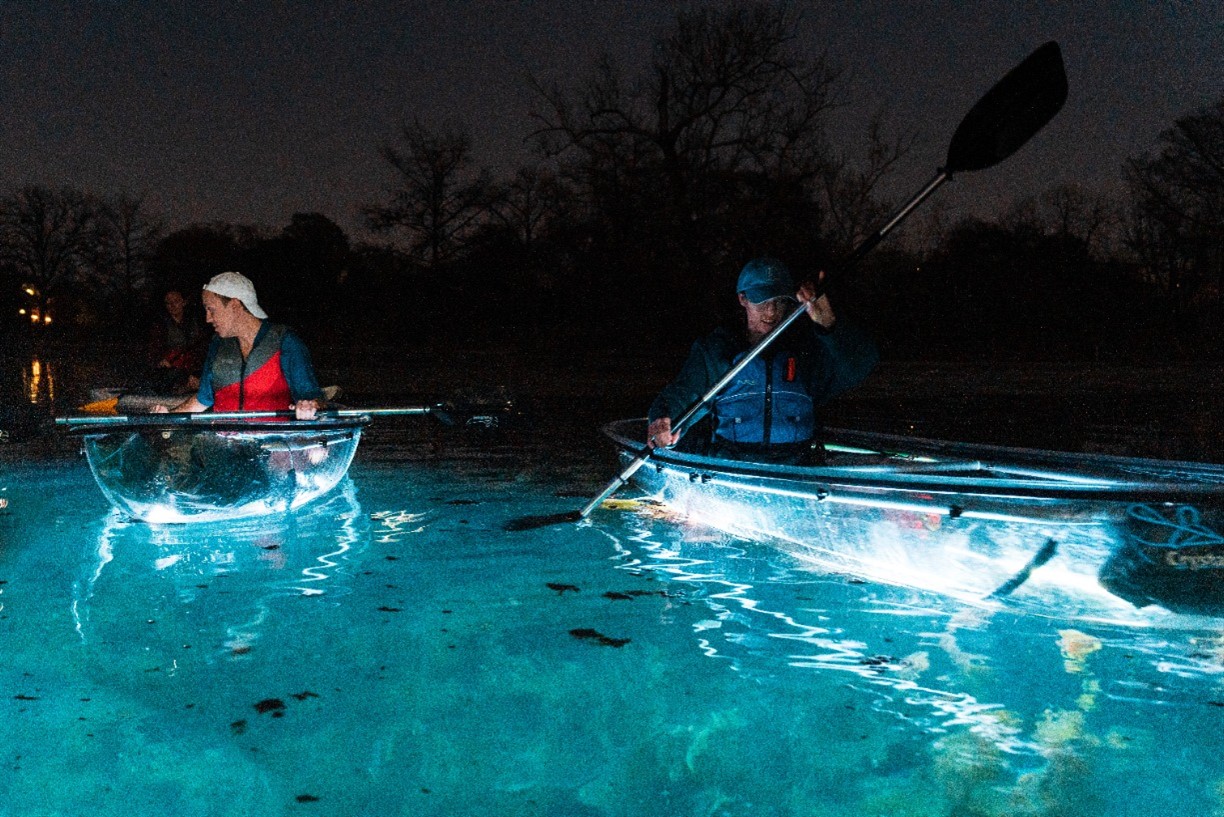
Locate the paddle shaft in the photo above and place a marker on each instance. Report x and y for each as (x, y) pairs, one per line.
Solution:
(205, 417)
(869, 243)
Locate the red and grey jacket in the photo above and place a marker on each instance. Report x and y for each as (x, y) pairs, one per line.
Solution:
(276, 373)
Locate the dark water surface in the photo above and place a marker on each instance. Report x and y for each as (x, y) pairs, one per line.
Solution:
(393, 650)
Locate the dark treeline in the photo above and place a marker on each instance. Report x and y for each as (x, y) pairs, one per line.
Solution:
(649, 187)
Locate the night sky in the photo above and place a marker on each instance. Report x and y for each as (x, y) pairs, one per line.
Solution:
(250, 112)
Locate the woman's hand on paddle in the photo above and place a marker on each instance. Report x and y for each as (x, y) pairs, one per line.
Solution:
(191, 405)
(660, 434)
(818, 308)
(305, 409)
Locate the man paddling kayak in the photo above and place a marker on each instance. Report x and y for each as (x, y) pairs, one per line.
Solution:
(252, 363)
(769, 410)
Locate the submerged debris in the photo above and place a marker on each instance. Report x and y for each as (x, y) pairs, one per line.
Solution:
(630, 595)
(879, 663)
(911, 666)
(1075, 647)
(273, 705)
(587, 634)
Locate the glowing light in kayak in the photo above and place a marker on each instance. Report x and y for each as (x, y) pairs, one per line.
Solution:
(922, 540)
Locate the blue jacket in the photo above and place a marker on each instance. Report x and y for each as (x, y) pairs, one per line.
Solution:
(776, 399)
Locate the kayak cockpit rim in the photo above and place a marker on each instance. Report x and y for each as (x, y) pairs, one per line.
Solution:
(893, 461)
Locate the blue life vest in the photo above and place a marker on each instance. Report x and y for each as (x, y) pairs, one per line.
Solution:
(768, 403)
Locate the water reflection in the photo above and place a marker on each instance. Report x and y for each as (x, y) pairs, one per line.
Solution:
(234, 574)
(38, 382)
(768, 611)
(1008, 713)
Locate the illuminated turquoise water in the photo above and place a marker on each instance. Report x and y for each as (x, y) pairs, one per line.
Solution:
(392, 651)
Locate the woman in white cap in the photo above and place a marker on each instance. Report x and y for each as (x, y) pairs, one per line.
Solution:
(769, 411)
(252, 363)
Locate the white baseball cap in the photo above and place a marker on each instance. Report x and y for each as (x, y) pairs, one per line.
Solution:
(236, 285)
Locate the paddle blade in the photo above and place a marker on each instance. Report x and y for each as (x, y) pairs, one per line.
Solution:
(541, 521)
(1011, 112)
(102, 407)
(1043, 555)
(482, 416)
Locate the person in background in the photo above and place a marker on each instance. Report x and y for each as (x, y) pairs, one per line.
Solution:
(769, 411)
(252, 364)
(177, 341)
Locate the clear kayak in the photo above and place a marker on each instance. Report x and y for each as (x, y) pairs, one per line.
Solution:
(176, 468)
(1070, 535)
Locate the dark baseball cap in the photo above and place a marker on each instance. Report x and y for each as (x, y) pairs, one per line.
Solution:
(764, 279)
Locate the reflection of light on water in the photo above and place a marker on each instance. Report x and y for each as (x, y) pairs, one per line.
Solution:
(397, 523)
(807, 645)
(38, 382)
(348, 536)
(83, 591)
(269, 552)
(1004, 713)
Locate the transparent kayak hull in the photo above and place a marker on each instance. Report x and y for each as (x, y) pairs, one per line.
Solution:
(214, 472)
(1070, 535)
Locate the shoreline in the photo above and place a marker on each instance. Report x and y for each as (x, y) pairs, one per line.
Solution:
(1166, 411)
(551, 370)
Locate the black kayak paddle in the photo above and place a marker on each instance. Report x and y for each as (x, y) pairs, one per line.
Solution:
(1002, 121)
